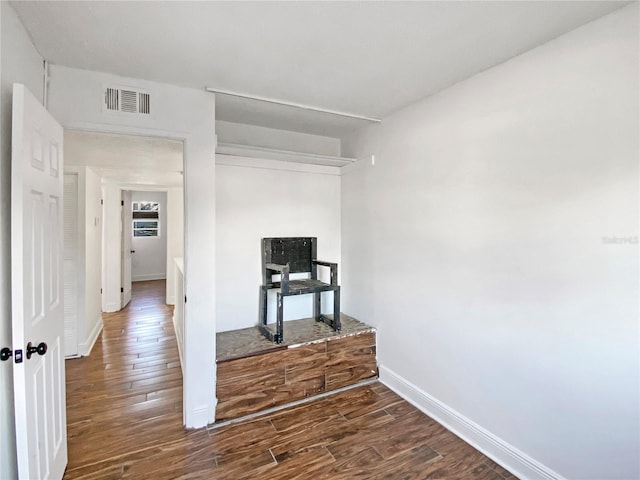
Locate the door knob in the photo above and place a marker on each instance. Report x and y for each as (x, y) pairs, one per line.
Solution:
(5, 354)
(41, 349)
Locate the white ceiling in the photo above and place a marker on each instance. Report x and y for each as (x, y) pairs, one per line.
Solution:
(126, 159)
(369, 58)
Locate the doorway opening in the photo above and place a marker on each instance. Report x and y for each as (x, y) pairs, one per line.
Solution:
(144, 239)
(108, 174)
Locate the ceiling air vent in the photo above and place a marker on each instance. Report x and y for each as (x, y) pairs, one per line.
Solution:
(127, 100)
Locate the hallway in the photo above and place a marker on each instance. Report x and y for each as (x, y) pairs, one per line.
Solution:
(127, 395)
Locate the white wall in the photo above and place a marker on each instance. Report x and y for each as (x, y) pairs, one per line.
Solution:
(92, 325)
(475, 244)
(253, 135)
(112, 244)
(23, 64)
(175, 238)
(181, 113)
(89, 266)
(255, 201)
(111, 247)
(71, 263)
(149, 262)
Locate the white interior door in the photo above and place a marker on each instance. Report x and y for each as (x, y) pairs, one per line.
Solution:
(127, 233)
(37, 300)
(71, 252)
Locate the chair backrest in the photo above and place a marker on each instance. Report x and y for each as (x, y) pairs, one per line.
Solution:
(298, 252)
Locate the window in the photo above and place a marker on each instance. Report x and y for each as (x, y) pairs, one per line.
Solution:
(146, 222)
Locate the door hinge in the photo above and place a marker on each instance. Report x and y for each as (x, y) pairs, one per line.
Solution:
(121, 290)
(101, 202)
(100, 291)
(185, 299)
(122, 202)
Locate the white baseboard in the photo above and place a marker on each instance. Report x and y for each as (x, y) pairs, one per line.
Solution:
(492, 446)
(199, 417)
(179, 342)
(84, 348)
(149, 276)
(112, 307)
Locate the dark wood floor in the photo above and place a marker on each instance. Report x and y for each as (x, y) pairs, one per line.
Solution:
(124, 413)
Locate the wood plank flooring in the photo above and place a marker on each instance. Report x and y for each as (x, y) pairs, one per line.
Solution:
(124, 414)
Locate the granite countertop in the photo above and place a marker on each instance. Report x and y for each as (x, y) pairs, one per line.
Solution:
(249, 341)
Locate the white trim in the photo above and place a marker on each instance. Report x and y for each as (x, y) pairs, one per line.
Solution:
(198, 419)
(113, 307)
(178, 311)
(179, 340)
(84, 348)
(149, 276)
(503, 453)
(45, 85)
(266, 164)
(202, 415)
(293, 104)
(127, 130)
(139, 187)
(251, 151)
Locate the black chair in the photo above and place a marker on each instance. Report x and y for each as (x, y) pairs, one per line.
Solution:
(283, 256)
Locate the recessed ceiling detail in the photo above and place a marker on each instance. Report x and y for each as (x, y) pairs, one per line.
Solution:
(372, 58)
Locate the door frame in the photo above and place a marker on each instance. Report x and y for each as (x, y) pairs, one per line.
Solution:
(185, 138)
(125, 231)
(121, 187)
(164, 228)
(76, 254)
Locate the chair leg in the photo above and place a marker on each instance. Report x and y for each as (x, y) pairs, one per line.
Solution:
(317, 314)
(263, 305)
(280, 321)
(262, 323)
(337, 326)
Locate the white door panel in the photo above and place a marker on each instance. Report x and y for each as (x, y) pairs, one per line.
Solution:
(37, 303)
